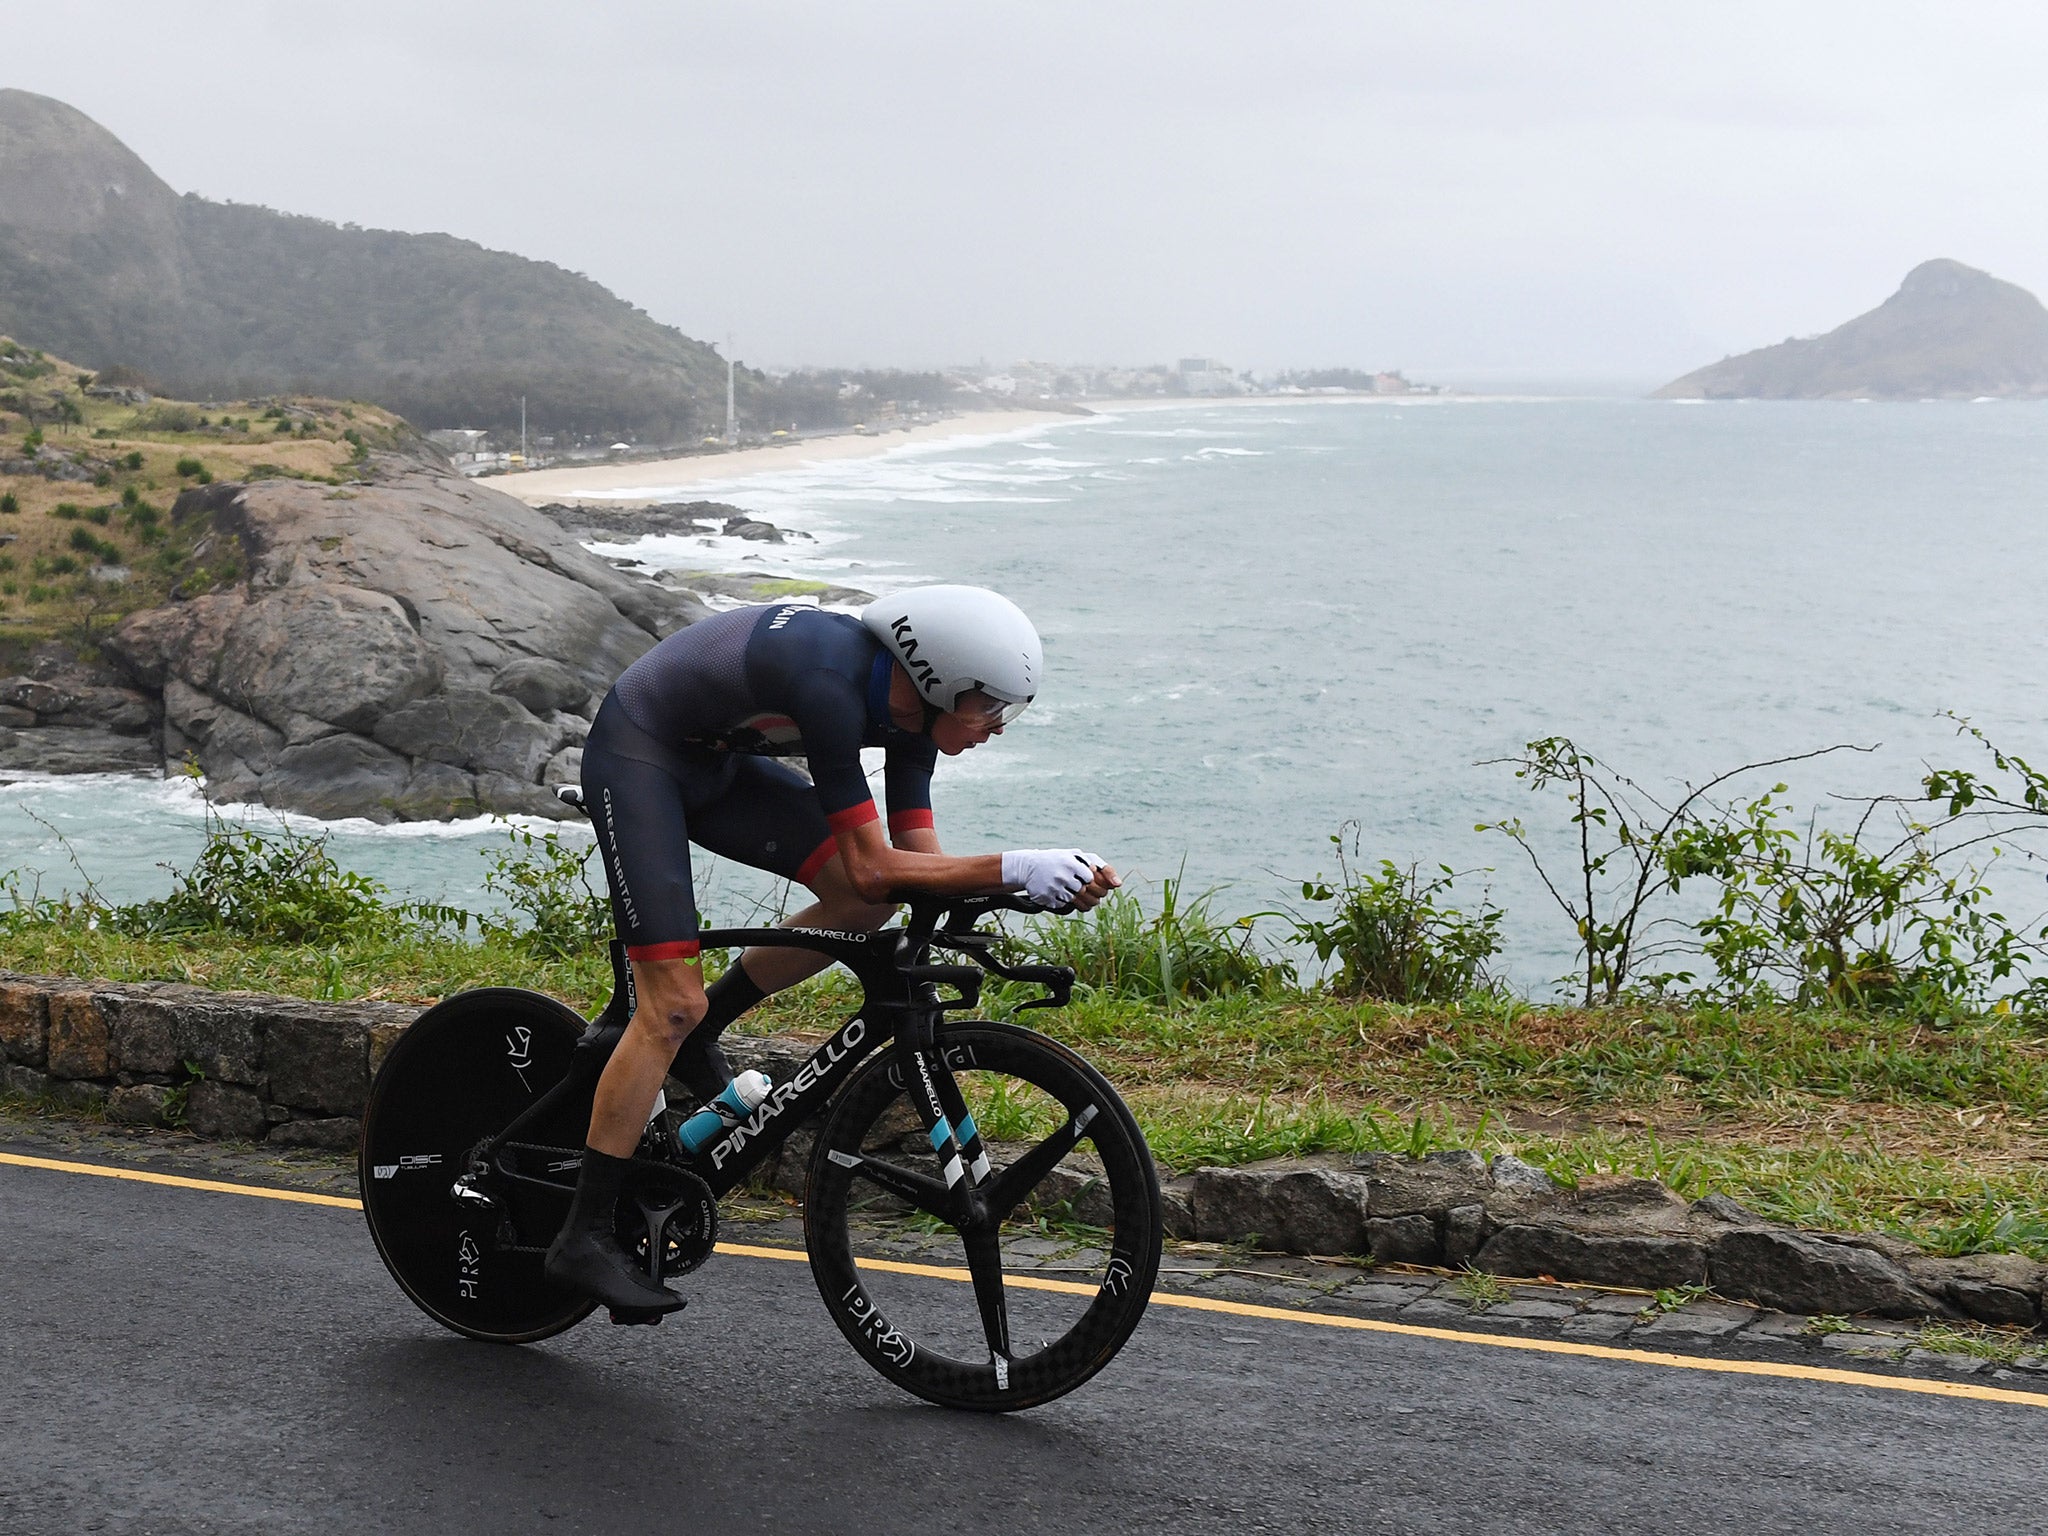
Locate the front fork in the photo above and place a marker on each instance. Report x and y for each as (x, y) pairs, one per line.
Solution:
(941, 1107)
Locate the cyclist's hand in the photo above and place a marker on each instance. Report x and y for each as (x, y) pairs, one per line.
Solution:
(1099, 885)
(1051, 877)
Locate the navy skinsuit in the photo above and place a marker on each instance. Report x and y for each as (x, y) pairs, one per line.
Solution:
(683, 751)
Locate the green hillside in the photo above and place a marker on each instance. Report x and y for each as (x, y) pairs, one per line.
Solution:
(101, 262)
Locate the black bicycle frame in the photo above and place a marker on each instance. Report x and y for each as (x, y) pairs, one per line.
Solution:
(901, 1002)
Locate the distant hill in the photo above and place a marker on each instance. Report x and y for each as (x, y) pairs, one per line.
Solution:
(102, 262)
(1950, 332)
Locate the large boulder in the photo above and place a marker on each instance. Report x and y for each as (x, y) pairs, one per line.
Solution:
(344, 655)
(542, 685)
(419, 647)
(483, 732)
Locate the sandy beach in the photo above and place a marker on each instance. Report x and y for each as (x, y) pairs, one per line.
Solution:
(571, 482)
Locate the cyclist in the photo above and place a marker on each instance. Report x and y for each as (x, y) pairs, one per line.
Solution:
(682, 751)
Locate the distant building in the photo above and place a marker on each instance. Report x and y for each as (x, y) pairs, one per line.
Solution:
(1206, 376)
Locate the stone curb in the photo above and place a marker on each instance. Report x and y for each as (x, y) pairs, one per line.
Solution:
(292, 1073)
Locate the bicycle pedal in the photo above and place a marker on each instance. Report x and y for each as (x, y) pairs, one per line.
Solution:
(627, 1317)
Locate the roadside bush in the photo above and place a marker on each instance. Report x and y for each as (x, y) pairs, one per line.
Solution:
(1182, 951)
(1391, 938)
(546, 881)
(280, 886)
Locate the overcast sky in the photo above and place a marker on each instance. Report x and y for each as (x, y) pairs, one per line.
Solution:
(1623, 190)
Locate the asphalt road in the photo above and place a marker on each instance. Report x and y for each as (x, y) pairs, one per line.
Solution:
(183, 1361)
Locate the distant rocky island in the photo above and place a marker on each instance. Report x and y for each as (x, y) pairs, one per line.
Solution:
(1951, 332)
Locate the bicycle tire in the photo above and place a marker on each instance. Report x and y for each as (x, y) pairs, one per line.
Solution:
(462, 1073)
(985, 1056)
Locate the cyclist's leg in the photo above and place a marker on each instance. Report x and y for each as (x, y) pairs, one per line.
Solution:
(769, 817)
(637, 795)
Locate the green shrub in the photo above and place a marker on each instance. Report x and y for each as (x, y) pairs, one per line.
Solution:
(6, 562)
(69, 511)
(282, 886)
(10, 503)
(134, 460)
(33, 441)
(1389, 937)
(87, 543)
(547, 882)
(99, 515)
(103, 478)
(168, 418)
(1182, 951)
(55, 565)
(188, 467)
(38, 593)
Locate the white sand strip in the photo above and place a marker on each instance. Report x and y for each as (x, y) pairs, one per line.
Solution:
(574, 481)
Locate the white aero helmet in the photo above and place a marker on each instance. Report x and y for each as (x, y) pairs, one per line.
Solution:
(954, 639)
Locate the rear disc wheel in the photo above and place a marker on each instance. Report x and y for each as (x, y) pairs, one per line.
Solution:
(458, 1077)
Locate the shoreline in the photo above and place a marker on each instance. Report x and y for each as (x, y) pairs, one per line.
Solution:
(613, 485)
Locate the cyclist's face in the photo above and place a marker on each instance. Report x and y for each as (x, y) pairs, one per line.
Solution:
(976, 718)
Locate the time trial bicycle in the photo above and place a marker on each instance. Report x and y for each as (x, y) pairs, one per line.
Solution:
(473, 1137)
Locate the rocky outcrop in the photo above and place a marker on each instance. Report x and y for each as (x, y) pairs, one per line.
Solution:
(418, 647)
(62, 716)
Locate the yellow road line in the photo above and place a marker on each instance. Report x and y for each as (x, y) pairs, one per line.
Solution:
(1026, 1282)
(144, 1176)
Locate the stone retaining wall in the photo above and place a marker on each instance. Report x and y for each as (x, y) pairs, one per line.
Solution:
(248, 1067)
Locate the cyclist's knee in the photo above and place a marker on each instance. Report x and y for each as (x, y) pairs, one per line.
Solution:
(670, 1000)
(671, 1020)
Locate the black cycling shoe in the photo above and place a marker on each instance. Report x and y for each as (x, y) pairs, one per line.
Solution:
(596, 1265)
(621, 1316)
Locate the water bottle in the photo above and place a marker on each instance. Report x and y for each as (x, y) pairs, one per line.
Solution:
(737, 1100)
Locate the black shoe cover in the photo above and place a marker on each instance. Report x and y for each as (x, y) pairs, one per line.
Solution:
(597, 1266)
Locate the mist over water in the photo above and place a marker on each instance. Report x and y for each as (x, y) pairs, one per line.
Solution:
(1265, 620)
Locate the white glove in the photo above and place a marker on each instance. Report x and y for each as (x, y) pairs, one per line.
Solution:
(1051, 877)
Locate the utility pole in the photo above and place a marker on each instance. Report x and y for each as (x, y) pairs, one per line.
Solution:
(732, 434)
(522, 429)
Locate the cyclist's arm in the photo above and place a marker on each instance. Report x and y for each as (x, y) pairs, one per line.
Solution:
(916, 840)
(878, 873)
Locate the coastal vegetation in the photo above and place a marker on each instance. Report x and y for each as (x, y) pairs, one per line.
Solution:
(1901, 1092)
(89, 473)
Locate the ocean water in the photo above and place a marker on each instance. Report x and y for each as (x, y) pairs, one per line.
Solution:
(1267, 620)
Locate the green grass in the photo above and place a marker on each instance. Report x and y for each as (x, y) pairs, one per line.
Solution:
(1825, 1120)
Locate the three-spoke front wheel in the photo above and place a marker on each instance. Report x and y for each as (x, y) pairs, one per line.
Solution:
(1060, 1237)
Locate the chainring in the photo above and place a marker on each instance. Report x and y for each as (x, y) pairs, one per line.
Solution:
(670, 1205)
